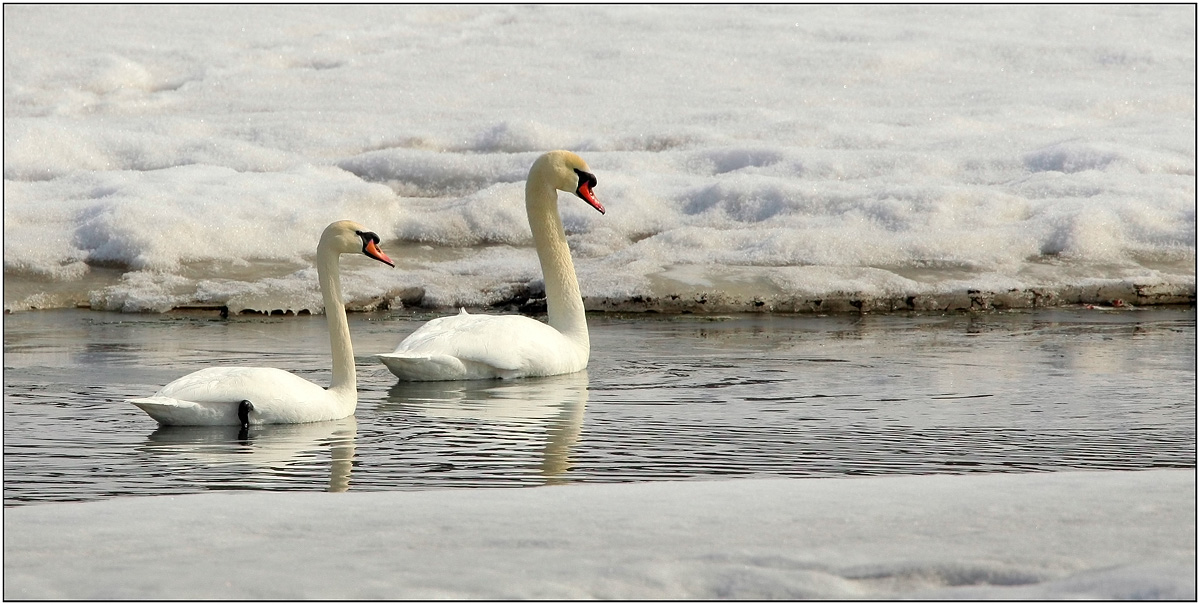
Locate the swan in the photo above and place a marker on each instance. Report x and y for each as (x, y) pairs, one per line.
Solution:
(245, 396)
(465, 346)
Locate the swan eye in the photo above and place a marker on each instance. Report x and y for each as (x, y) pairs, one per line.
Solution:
(370, 241)
(586, 177)
(586, 181)
(371, 247)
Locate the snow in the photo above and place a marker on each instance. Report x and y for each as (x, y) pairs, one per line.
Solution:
(1086, 535)
(819, 152)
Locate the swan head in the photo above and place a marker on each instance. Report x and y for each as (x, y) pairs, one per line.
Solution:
(349, 237)
(568, 172)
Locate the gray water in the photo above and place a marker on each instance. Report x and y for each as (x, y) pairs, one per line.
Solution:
(665, 397)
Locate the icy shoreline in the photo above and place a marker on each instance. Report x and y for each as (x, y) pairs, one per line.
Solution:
(1089, 535)
(1108, 293)
(1117, 293)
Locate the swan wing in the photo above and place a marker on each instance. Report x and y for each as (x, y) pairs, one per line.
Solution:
(211, 397)
(169, 411)
(466, 346)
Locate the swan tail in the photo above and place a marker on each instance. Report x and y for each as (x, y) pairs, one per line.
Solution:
(427, 367)
(423, 367)
(169, 411)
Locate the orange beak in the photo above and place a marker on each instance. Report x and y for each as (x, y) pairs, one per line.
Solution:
(374, 252)
(585, 193)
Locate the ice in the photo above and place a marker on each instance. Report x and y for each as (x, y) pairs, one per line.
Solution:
(1087, 535)
(1027, 153)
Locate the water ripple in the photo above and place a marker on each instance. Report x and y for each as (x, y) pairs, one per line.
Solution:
(662, 400)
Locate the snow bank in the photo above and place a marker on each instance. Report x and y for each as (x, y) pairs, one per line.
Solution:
(1104, 535)
(995, 149)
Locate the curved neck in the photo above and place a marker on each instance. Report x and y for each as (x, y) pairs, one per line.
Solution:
(564, 304)
(340, 346)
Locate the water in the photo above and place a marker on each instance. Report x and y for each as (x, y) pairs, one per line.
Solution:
(665, 397)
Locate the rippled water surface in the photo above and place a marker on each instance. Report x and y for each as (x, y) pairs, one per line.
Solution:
(678, 397)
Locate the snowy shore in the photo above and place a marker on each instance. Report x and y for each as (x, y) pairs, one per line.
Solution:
(1087, 535)
(787, 158)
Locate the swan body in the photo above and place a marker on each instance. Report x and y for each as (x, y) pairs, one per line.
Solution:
(249, 395)
(466, 346)
(212, 396)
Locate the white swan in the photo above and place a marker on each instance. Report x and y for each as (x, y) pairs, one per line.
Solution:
(239, 395)
(466, 346)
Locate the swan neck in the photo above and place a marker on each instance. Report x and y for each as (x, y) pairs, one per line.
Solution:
(564, 304)
(340, 346)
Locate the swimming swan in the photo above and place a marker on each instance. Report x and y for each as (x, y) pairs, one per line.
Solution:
(239, 395)
(466, 346)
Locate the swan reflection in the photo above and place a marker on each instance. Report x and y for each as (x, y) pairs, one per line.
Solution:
(506, 416)
(272, 446)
